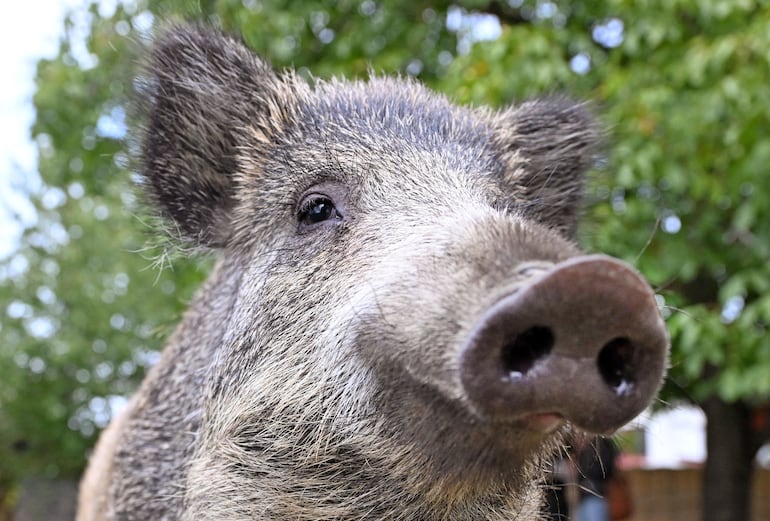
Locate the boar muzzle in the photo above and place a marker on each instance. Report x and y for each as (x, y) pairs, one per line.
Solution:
(583, 342)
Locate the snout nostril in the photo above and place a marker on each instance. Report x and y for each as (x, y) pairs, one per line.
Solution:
(520, 355)
(616, 364)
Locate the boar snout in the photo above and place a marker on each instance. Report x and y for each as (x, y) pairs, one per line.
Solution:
(583, 342)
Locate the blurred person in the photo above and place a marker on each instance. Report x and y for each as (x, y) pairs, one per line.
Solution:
(595, 461)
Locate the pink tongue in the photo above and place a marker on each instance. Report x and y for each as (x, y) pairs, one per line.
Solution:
(545, 422)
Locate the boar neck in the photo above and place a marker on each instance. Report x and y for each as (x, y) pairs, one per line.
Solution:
(161, 430)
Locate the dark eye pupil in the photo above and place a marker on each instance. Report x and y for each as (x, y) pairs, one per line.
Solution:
(319, 210)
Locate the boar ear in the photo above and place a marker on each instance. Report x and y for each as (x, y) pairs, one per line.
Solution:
(204, 97)
(547, 146)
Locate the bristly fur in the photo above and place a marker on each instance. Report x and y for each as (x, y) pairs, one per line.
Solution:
(315, 374)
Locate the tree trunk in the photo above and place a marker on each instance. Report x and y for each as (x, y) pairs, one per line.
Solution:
(729, 465)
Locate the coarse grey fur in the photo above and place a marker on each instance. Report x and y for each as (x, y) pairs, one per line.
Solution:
(314, 375)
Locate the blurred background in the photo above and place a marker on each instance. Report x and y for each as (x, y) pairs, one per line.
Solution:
(88, 295)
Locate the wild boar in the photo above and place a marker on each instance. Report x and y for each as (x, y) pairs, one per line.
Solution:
(400, 326)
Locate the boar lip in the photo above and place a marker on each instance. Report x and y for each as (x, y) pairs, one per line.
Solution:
(547, 422)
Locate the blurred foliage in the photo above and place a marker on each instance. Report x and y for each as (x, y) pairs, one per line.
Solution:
(681, 194)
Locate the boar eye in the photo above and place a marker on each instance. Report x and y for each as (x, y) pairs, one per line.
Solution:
(317, 208)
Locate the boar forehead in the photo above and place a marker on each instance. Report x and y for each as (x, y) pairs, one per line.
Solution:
(388, 126)
(389, 108)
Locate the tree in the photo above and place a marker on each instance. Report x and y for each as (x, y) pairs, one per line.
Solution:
(78, 329)
(681, 193)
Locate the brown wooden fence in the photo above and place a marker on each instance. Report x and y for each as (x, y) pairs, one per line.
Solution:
(674, 495)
